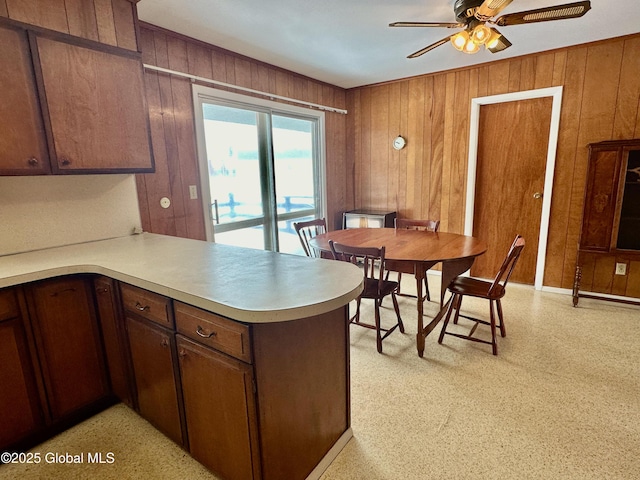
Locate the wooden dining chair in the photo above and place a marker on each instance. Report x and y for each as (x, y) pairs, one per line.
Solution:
(402, 267)
(492, 291)
(307, 230)
(375, 286)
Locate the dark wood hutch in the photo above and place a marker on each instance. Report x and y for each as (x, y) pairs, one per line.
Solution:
(608, 260)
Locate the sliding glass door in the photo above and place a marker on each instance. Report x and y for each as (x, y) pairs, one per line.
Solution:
(261, 169)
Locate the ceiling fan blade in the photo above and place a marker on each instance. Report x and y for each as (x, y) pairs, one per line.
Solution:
(490, 8)
(429, 48)
(559, 12)
(498, 44)
(426, 24)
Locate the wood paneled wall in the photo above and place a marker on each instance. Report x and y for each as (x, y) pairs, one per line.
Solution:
(106, 21)
(173, 131)
(427, 179)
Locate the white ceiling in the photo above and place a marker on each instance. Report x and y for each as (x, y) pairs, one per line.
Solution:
(348, 42)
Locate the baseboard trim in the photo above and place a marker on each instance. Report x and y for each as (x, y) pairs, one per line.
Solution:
(331, 455)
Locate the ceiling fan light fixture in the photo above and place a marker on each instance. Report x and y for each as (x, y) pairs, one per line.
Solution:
(493, 40)
(497, 42)
(460, 40)
(471, 47)
(480, 34)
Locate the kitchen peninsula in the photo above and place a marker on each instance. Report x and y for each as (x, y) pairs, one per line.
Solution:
(256, 344)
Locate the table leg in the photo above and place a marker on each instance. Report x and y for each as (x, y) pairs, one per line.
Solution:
(420, 274)
(450, 270)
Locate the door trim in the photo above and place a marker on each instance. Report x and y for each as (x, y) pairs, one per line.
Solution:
(474, 124)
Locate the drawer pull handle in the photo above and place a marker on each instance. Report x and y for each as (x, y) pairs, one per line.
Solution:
(200, 332)
(142, 308)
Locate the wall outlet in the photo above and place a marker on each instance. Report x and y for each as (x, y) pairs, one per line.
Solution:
(621, 268)
(193, 192)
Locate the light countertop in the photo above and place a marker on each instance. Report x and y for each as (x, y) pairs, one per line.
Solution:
(251, 286)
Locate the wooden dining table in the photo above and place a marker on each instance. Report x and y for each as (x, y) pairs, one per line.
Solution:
(416, 251)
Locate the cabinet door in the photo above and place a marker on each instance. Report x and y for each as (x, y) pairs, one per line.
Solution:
(20, 411)
(96, 108)
(112, 326)
(23, 147)
(219, 410)
(152, 354)
(600, 198)
(66, 332)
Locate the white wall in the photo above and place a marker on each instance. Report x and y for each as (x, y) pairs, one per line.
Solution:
(48, 211)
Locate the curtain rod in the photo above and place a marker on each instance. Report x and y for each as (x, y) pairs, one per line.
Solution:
(195, 78)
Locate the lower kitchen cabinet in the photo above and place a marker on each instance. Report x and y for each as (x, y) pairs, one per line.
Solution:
(154, 370)
(249, 401)
(68, 341)
(113, 335)
(220, 410)
(21, 413)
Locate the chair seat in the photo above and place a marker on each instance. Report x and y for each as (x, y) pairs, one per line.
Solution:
(492, 291)
(372, 260)
(474, 287)
(371, 288)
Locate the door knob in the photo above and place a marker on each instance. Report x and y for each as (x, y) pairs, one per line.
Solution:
(537, 195)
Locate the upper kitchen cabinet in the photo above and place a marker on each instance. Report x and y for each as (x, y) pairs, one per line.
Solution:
(23, 145)
(70, 105)
(95, 106)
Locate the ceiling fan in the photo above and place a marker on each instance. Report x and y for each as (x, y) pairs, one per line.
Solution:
(476, 16)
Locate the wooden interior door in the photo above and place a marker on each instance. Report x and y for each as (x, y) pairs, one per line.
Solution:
(512, 153)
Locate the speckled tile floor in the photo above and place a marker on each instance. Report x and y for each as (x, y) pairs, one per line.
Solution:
(560, 401)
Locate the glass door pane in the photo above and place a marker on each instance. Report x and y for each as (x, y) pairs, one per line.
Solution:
(629, 225)
(295, 172)
(261, 167)
(233, 146)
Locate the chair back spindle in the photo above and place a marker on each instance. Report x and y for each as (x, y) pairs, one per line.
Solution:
(409, 224)
(506, 269)
(307, 230)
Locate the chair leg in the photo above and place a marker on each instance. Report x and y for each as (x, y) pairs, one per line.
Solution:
(452, 300)
(426, 288)
(455, 318)
(503, 331)
(356, 317)
(492, 316)
(397, 309)
(378, 334)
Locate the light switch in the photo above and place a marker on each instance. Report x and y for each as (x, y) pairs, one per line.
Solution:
(621, 268)
(193, 192)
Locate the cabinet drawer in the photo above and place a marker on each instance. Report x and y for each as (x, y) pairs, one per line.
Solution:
(8, 306)
(147, 304)
(214, 331)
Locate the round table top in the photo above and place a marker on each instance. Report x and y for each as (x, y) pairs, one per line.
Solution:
(407, 245)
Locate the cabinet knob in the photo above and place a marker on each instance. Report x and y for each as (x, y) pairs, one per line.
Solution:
(33, 162)
(164, 342)
(65, 162)
(537, 195)
(182, 353)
